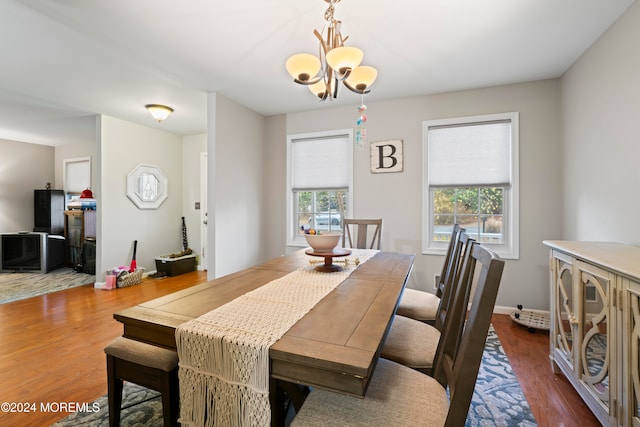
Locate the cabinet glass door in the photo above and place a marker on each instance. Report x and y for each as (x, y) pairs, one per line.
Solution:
(595, 290)
(564, 315)
(634, 346)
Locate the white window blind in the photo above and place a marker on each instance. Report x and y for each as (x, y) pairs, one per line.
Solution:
(77, 175)
(472, 154)
(320, 163)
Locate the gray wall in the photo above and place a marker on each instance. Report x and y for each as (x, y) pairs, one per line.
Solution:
(601, 114)
(23, 168)
(235, 187)
(397, 197)
(74, 151)
(124, 145)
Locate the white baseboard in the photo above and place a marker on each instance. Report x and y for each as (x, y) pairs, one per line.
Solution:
(503, 309)
(500, 309)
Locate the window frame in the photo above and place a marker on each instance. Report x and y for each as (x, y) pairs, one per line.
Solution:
(76, 176)
(510, 249)
(294, 238)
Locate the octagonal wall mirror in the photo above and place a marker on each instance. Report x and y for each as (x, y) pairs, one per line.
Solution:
(147, 186)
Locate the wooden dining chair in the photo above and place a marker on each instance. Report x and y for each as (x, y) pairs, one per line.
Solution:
(358, 229)
(456, 269)
(401, 396)
(423, 305)
(413, 343)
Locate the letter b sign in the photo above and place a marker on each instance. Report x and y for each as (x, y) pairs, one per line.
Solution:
(386, 156)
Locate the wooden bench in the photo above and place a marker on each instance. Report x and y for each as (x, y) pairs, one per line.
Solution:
(146, 365)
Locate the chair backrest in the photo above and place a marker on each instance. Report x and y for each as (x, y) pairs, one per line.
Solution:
(449, 260)
(460, 349)
(358, 228)
(454, 275)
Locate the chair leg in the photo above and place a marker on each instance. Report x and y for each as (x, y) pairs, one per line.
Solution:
(170, 400)
(175, 400)
(114, 386)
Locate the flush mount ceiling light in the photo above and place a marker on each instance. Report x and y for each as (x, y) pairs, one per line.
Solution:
(335, 63)
(159, 112)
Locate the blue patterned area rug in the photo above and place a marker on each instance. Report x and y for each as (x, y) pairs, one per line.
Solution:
(140, 407)
(497, 400)
(17, 286)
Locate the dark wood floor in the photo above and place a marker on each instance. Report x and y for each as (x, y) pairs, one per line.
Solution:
(552, 399)
(51, 352)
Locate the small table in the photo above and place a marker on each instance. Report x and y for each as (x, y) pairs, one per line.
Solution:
(328, 265)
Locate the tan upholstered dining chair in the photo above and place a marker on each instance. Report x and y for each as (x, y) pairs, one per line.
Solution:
(413, 343)
(400, 396)
(356, 230)
(422, 305)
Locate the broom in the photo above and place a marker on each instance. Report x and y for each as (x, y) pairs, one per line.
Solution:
(133, 265)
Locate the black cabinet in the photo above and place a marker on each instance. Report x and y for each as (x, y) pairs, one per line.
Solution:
(48, 211)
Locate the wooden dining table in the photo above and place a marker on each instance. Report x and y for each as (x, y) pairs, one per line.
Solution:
(335, 346)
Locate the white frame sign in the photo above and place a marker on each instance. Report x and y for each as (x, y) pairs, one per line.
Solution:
(147, 186)
(386, 156)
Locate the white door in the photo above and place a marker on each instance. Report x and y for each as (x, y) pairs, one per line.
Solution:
(203, 210)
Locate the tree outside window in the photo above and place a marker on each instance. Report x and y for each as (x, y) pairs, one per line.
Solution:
(479, 210)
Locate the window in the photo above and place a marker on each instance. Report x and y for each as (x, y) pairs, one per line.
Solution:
(76, 177)
(147, 186)
(470, 169)
(319, 179)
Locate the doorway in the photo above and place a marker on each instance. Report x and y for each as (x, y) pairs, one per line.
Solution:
(203, 211)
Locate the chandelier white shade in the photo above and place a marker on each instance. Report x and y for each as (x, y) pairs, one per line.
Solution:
(320, 88)
(361, 78)
(158, 111)
(335, 63)
(303, 66)
(344, 59)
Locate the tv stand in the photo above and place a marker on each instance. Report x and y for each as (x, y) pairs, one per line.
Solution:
(55, 252)
(31, 252)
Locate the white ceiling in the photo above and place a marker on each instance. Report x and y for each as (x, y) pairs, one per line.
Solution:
(64, 60)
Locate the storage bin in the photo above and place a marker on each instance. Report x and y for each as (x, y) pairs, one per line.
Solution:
(176, 266)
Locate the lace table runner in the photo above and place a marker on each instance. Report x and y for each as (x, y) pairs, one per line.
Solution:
(224, 354)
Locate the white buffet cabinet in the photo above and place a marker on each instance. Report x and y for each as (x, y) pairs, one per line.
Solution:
(595, 325)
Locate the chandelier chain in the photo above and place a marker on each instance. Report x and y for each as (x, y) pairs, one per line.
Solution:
(328, 14)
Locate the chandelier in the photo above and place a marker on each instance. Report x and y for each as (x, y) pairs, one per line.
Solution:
(335, 63)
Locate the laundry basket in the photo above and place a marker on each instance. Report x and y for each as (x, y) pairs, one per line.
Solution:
(130, 279)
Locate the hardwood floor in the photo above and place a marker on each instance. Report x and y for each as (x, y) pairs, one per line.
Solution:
(552, 399)
(52, 354)
(52, 346)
